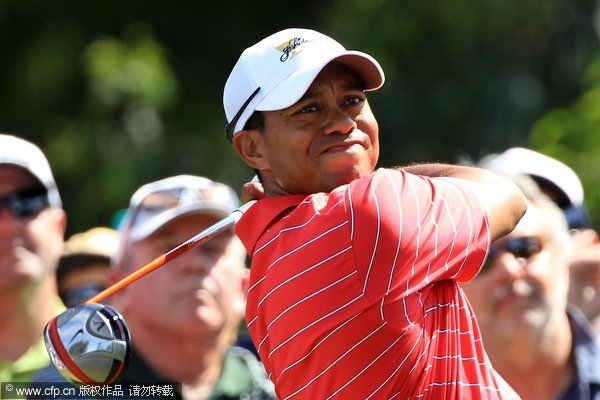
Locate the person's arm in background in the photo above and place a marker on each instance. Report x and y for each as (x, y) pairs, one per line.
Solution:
(503, 202)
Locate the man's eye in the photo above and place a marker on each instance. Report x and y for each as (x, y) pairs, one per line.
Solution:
(166, 247)
(355, 101)
(308, 109)
(212, 249)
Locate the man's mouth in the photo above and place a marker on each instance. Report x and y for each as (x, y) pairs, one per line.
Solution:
(519, 293)
(341, 147)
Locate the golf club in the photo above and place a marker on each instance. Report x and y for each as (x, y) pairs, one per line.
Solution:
(90, 343)
(202, 237)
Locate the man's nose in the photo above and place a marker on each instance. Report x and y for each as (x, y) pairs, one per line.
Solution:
(510, 266)
(340, 121)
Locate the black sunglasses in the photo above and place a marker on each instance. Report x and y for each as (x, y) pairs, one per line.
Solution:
(80, 294)
(27, 203)
(520, 247)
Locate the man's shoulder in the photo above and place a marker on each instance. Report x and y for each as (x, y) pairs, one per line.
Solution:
(25, 367)
(243, 376)
(586, 348)
(48, 374)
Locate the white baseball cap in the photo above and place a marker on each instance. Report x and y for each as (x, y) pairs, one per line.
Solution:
(157, 203)
(550, 174)
(276, 72)
(21, 153)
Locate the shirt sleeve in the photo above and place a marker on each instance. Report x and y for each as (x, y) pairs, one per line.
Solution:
(408, 231)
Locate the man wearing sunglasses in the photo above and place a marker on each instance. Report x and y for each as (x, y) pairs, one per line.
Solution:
(184, 317)
(540, 345)
(32, 226)
(353, 288)
(559, 182)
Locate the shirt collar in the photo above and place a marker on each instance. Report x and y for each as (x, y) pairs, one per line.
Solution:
(256, 220)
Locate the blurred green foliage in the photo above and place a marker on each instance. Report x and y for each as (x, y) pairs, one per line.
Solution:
(121, 93)
(572, 134)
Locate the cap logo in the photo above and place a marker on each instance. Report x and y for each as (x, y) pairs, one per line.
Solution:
(290, 48)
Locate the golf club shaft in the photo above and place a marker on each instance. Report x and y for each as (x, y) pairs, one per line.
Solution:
(207, 234)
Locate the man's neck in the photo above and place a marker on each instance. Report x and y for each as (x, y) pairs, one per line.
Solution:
(25, 313)
(198, 363)
(536, 366)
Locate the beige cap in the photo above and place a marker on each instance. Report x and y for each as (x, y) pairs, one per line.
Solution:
(99, 241)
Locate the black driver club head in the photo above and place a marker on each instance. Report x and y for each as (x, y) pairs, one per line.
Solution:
(89, 344)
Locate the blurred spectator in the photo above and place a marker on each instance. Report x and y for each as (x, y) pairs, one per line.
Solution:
(184, 317)
(562, 185)
(541, 346)
(585, 276)
(32, 226)
(82, 269)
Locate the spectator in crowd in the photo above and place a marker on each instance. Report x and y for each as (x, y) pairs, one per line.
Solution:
(354, 280)
(83, 268)
(184, 317)
(540, 345)
(563, 186)
(585, 276)
(32, 226)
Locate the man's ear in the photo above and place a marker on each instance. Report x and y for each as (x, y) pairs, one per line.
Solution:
(60, 218)
(249, 145)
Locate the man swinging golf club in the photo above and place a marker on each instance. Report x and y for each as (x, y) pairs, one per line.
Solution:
(354, 279)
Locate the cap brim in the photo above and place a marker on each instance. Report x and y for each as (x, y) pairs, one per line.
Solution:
(293, 87)
(561, 177)
(155, 224)
(49, 185)
(26, 169)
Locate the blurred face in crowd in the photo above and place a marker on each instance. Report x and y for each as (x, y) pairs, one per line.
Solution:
(523, 285)
(83, 282)
(30, 243)
(327, 138)
(201, 292)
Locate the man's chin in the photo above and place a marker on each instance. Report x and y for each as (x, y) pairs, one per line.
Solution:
(520, 315)
(200, 323)
(15, 282)
(348, 173)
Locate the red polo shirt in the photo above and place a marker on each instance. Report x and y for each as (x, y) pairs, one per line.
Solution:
(354, 294)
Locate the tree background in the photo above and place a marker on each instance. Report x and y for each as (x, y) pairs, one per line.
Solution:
(118, 94)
